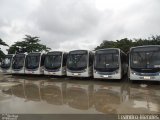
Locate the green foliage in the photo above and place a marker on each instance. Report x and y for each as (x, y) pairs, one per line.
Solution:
(1, 52)
(106, 44)
(1, 55)
(30, 44)
(2, 42)
(125, 44)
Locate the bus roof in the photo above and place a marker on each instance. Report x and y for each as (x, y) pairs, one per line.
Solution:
(35, 53)
(56, 51)
(10, 54)
(21, 54)
(80, 50)
(109, 49)
(144, 46)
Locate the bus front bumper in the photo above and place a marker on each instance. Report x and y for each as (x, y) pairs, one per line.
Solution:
(112, 76)
(78, 74)
(34, 72)
(134, 76)
(58, 73)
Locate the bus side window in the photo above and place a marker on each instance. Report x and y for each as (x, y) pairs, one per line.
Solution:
(42, 60)
(64, 59)
(90, 59)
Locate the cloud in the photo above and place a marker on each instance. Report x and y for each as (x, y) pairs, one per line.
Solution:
(68, 21)
(72, 24)
(136, 19)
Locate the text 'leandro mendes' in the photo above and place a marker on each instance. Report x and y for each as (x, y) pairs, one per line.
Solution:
(138, 117)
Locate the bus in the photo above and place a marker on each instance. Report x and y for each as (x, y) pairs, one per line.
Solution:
(80, 63)
(6, 64)
(144, 63)
(18, 63)
(55, 63)
(110, 63)
(34, 63)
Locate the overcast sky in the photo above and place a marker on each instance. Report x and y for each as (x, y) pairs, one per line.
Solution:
(78, 24)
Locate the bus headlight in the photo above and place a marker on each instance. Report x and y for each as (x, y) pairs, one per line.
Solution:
(116, 72)
(133, 73)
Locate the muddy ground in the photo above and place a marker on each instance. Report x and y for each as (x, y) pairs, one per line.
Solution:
(43, 94)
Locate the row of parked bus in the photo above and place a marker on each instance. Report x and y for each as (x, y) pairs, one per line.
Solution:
(141, 63)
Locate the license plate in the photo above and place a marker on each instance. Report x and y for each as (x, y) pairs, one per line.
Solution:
(32, 72)
(76, 86)
(50, 73)
(147, 77)
(105, 75)
(75, 74)
(104, 87)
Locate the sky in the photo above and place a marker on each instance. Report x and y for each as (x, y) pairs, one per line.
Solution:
(78, 24)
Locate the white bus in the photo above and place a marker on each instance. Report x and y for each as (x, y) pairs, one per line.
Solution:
(6, 64)
(144, 63)
(18, 63)
(80, 63)
(34, 63)
(55, 63)
(110, 63)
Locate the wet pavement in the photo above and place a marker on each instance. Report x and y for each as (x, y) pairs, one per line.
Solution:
(34, 94)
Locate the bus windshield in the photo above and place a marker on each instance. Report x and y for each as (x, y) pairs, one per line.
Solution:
(53, 60)
(18, 61)
(33, 61)
(77, 60)
(106, 60)
(6, 62)
(145, 57)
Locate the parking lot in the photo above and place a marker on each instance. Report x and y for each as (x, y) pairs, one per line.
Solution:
(41, 94)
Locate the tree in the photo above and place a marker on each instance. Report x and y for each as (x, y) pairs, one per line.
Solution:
(1, 52)
(29, 44)
(106, 44)
(2, 42)
(125, 44)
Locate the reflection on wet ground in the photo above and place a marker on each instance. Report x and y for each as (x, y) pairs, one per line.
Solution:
(22, 94)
